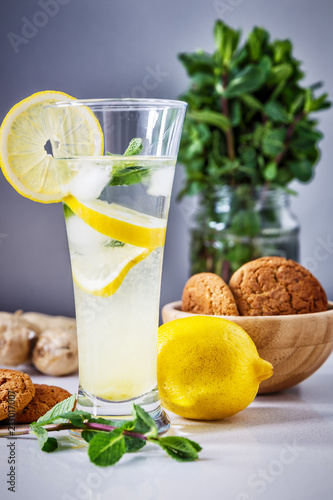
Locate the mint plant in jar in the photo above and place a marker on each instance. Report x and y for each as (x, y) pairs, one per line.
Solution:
(250, 131)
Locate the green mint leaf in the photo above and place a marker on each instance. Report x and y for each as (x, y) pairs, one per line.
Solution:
(68, 212)
(144, 424)
(114, 243)
(276, 112)
(134, 147)
(212, 118)
(46, 444)
(129, 175)
(76, 417)
(301, 169)
(51, 444)
(134, 444)
(53, 415)
(273, 142)
(247, 80)
(270, 171)
(179, 448)
(194, 444)
(106, 421)
(128, 425)
(106, 448)
(88, 434)
(126, 174)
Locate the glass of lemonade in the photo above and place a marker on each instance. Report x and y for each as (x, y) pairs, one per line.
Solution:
(116, 202)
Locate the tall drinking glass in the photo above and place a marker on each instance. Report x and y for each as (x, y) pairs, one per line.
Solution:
(116, 208)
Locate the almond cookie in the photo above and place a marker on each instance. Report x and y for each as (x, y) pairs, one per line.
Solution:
(207, 293)
(16, 391)
(46, 397)
(273, 285)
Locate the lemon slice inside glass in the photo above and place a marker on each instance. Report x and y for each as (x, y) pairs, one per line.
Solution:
(26, 130)
(103, 274)
(120, 223)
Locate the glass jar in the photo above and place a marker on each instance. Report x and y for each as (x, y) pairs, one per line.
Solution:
(234, 225)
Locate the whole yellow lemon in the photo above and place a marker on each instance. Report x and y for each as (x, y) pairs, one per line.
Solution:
(207, 368)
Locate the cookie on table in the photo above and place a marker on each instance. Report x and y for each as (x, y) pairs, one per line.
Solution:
(16, 391)
(207, 293)
(46, 397)
(273, 286)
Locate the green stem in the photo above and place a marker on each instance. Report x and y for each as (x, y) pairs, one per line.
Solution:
(289, 134)
(109, 428)
(229, 133)
(24, 430)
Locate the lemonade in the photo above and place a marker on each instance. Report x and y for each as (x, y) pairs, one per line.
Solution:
(116, 210)
(112, 166)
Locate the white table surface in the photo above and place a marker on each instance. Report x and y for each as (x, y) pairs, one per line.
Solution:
(280, 447)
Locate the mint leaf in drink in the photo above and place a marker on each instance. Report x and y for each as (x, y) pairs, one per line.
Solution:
(129, 175)
(134, 444)
(179, 448)
(45, 442)
(53, 415)
(134, 147)
(114, 243)
(126, 174)
(106, 448)
(68, 212)
(144, 424)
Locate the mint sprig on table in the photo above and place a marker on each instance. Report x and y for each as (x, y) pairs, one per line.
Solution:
(128, 174)
(108, 439)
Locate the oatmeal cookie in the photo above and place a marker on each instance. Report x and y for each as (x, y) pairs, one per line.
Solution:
(207, 293)
(273, 286)
(16, 391)
(46, 397)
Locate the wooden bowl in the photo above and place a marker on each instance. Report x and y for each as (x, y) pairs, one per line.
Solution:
(296, 345)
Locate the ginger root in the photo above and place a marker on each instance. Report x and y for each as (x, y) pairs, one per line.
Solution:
(42, 322)
(56, 352)
(49, 340)
(17, 338)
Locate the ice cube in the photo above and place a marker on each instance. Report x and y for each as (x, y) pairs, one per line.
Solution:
(81, 237)
(161, 182)
(89, 182)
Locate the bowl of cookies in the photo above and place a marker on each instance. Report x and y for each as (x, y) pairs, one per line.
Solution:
(279, 303)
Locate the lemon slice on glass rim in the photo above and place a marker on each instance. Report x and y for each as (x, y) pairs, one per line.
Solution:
(26, 130)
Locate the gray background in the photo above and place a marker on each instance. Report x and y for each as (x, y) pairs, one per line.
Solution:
(105, 48)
